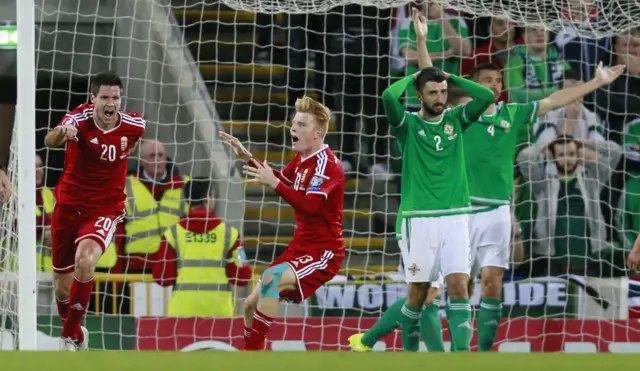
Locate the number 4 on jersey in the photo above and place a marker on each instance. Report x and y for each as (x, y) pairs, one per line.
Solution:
(491, 130)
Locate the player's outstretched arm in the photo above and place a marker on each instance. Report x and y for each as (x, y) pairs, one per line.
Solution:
(60, 135)
(482, 97)
(393, 108)
(561, 98)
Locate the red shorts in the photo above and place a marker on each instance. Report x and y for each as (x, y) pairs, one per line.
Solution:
(312, 270)
(69, 226)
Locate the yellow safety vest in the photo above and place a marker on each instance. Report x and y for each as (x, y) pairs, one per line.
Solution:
(109, 259)
(202, 287)
(43, 255)
(147, 219)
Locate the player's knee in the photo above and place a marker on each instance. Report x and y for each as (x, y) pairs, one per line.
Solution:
(492, 287)
(270, 281)
(457, 285)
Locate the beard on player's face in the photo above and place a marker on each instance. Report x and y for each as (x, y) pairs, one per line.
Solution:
(433, 109)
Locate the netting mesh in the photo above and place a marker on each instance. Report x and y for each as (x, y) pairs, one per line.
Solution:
(192, 67)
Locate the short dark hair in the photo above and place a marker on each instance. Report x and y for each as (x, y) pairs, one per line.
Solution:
(572, 75)
(562, 139)
(107, 78)
(427, 75)
(197, 190)
(483, 67)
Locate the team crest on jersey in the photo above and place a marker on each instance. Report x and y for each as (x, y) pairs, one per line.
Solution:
(448, 129)
(123, 143)
(505, 125)
(315, 184)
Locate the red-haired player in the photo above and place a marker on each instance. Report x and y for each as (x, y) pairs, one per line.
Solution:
(313, 184)
(89, 196)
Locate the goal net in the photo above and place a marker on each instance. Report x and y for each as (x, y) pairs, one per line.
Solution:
(194, 67)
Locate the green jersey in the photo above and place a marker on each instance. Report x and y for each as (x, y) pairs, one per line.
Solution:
(490, 151)
(434, 177)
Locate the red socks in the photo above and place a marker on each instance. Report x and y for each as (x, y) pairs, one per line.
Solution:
(63, 308)
(78, 303)
(259, 329)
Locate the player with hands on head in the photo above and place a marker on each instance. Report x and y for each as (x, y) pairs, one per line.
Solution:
(313, 184)
(434, 196)
(90, 196)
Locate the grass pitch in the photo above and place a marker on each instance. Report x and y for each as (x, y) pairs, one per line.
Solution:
(308, 361)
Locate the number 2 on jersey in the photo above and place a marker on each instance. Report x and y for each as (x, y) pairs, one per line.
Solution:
(108, 153)
(438, 140)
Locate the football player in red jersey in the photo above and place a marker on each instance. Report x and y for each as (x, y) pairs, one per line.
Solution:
(89, 196)
(313, 184)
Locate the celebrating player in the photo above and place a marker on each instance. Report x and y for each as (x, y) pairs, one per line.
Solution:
(313, 184)
(89, 196)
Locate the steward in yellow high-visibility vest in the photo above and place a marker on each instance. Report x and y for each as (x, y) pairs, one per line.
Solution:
(45, 202)
(202, 257)
(154, 203)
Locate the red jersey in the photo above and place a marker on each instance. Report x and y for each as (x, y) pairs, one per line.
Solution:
(95, 167)
(319, 175)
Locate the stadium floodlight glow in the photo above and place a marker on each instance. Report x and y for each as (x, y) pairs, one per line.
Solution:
(8, 37)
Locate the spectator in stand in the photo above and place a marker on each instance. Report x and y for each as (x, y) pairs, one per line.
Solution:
(201, 257)
(619, 103)
(582, 53)
(359, 63)
(574, 120)
(534, 71)
(569, 229)
(447, 43)
(155, 202)
(45, 201)
(496, 51)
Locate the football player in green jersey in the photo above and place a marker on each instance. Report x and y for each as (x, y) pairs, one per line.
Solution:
(434, 192)
(489, 154)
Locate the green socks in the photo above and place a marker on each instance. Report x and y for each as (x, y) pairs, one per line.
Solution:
(431, 327)
(429, 324)
(409, 324)
(459, 318)
(488, 323)
(389, 321)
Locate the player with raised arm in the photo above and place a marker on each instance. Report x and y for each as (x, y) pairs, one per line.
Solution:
(313, 184)
(435, 195)
(90, 197)
(489, 154)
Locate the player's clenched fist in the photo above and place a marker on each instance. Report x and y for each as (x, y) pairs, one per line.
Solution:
(69, 132)
(234, 143)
